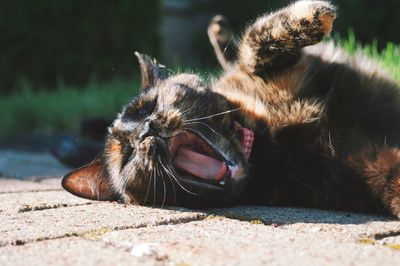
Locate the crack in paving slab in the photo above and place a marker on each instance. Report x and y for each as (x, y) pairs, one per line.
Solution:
(33, 190)
(380, 236)
(97, 233)
(287, 215)
(45, 206)
(33, 201)
(25, 227)
(373, 242)
(390, 239)
(229, 241)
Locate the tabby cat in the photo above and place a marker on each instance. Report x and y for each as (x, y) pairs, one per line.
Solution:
(289, 123)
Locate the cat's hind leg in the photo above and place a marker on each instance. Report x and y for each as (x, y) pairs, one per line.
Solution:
(274, 40)
(379, 167)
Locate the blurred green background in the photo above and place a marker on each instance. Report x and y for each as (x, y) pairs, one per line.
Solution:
(64, 61)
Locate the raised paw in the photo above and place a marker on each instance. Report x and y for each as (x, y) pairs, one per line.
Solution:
(277, 37)
(314, 19)
(222, 39)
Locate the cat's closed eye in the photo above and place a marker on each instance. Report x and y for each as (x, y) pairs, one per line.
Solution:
(140, 110)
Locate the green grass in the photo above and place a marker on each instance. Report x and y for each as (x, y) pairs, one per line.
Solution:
(62, 109)
(389, 56)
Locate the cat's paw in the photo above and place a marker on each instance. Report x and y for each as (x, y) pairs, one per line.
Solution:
(315, 17)
(222, 40)
(275, 38)
(220, 30)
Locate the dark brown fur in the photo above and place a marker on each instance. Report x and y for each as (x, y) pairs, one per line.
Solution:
(326, 124)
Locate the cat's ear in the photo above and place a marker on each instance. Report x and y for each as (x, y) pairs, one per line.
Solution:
(89, 181)
(152, 72)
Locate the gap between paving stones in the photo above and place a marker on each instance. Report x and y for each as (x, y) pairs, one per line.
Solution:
(382, 239)
(39, 201)
(380, 236)
(90, 234)
(97, 233)
(29, 191)
(205, 215)
(45, 206)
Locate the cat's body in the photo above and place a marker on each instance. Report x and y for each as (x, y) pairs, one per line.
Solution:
(332, 131)
(283, 126)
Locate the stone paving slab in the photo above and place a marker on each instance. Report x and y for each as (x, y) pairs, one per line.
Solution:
(213, 241)
(77, 220)
(41, 200)
(72, 251)
(221, 241)
(341, 225)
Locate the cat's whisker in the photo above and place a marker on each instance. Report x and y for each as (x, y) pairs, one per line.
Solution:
(176, 180)
(254, 101)
(168, 171)
(207, 125)
(187, 110)
(165, 192)
(162, 98)
(227, 44)
(155, 189)
(173, 172)
(159, 173)
(210, 116)
(174, 135)
(191, 107)
(174, 189)
(330, 143)
(148, 188)
(173, 186)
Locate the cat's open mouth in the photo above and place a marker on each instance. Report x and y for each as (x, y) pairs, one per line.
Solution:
(193, 156)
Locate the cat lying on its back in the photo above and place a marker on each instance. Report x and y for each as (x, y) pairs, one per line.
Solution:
(283, 126)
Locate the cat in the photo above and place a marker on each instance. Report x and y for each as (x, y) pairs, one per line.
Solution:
(291, 122)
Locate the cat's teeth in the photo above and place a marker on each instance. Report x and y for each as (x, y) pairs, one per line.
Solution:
(222, 182)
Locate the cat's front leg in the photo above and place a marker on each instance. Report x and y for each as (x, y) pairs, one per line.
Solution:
(274, 41)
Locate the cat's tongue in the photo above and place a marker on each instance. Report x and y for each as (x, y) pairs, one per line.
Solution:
(194, 156)
(200, 165)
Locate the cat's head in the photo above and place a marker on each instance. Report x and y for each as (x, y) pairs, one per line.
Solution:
(176, 143)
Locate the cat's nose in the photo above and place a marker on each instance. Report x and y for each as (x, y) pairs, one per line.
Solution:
(148, 130)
